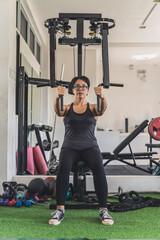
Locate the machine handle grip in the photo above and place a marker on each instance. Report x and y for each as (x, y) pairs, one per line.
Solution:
(98, 104)
(116, 85)
(61, 103)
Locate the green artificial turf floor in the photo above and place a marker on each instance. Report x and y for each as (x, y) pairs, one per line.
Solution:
(32, 222)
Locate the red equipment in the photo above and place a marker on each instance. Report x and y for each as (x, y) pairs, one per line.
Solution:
(154, 128)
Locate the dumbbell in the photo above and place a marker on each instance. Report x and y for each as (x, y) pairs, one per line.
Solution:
(11, 203)
(18, 203)
(4, 202)
(27, 203)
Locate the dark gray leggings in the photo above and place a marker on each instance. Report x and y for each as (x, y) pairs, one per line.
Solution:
(93, 159)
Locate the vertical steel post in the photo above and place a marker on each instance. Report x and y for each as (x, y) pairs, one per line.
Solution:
(105, 59)
(79, 59)
(52, 34)
(25, 126)
(17, 70)
(20, 120)
(80, 36)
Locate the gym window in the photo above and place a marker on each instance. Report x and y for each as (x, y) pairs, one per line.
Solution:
(17, 14)
(32, 41)
(24, 27)
(38, 53)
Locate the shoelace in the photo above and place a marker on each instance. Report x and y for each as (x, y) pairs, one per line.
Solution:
(105, 214)
(57, 214)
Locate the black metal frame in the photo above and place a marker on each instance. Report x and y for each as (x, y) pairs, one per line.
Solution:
(58, 24)
(17, 68)
(22, 120)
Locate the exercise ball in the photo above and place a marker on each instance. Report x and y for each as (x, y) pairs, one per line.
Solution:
(51, 186)
(37, 186)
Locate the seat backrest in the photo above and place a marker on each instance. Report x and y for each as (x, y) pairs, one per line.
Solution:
(130, 137)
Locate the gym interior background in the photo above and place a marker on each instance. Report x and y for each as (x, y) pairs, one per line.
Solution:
(134, 60)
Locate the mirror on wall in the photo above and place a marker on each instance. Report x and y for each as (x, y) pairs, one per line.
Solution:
(34, 99)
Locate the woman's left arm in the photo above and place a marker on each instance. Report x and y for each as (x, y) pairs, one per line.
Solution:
(99, 92)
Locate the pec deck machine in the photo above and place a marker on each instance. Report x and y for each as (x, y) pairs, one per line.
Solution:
(98, 35)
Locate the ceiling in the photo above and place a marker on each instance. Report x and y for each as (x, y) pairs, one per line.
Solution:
(126, 39)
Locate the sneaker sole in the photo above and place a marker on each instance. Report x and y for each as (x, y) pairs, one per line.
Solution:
(108, 222)
(54, 223)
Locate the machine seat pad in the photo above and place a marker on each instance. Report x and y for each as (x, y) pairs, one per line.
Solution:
(79, 166)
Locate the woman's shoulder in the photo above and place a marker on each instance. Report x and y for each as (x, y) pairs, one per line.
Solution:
(92, 109)
(92, 106)
(67, 107)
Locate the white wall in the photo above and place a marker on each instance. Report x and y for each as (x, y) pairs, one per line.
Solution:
(4, 50)
(12, 119)
(7, 86)
(137, 100)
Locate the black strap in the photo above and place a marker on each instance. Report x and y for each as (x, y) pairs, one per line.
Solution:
(132, 201)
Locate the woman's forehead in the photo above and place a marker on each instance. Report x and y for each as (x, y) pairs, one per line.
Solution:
(80, 81)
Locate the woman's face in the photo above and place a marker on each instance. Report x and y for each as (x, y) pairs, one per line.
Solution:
(80, 89)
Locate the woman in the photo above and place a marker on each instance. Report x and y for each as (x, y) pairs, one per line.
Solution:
(80, 143)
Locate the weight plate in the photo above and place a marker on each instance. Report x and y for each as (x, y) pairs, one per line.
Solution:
(154, 128)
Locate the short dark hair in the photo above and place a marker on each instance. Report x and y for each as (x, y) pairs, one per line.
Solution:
(83, 78)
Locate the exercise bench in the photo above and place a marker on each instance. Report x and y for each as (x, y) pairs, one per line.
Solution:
(123, 157)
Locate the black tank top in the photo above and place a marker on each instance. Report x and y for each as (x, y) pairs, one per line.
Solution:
(79, 129)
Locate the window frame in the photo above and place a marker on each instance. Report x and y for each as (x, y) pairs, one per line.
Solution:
(34, 42)
(19, 10)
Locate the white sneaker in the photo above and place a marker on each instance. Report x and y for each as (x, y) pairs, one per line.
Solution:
(58, 216)
(105, 217)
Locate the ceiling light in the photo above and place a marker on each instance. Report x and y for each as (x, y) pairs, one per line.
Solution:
(144, 56)
(156, 0)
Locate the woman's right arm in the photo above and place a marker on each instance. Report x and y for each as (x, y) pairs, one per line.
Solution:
(60, 92)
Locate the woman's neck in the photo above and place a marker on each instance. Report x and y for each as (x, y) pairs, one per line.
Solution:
(79, 102)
